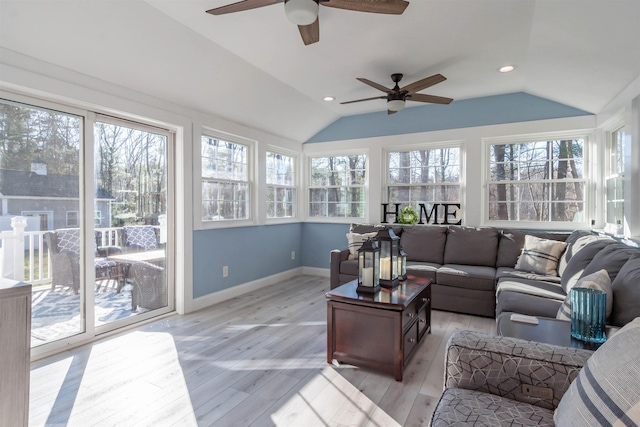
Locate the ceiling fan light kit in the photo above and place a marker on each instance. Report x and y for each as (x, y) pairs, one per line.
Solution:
(301, 12)
(395, 104)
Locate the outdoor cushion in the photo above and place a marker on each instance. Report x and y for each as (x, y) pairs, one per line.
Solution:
(606, 390)
(467, 276)
(540, 255)
(140, 236)
(471, 246)
(626, 293)
(598, 280)
(424, 243)
(584, 250)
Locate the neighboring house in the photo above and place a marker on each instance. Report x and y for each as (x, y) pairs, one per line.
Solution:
(51, 197)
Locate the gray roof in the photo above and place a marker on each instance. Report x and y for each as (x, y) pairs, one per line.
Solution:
(26, 183)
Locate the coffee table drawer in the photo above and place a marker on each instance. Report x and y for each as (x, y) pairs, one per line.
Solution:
(410, 341)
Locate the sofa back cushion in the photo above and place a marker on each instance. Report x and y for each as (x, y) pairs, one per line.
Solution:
(583, 251)
(626, 293)
(598, 280)
(606, 390)
(424, 243)
(570, 240)
(471, 246)
(611, 258)
(512, 242)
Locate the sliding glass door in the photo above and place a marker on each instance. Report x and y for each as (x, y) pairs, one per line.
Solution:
(85, 217)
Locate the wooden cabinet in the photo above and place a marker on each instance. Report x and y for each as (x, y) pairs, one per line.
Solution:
(15, 351)
(380, 331)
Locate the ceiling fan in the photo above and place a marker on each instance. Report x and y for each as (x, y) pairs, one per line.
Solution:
(304, 13)
(397, 96)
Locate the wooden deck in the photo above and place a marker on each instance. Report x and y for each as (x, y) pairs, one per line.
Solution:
(257, 360)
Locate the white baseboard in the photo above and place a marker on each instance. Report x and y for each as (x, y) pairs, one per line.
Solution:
(235, 291)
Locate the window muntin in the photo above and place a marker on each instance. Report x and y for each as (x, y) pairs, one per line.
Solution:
(338, 186)
(426, 177)
(614, 181)
(226, 187)
(281, 188)
(537, 181)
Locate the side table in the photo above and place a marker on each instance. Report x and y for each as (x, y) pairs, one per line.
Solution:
(381, 330)
(549, 331)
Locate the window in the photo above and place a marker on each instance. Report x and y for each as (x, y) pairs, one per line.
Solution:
(226, 187)
(338, 186)
(614, 182)
(426, 177)
(281, 189)
(537, 181)
(72, 219)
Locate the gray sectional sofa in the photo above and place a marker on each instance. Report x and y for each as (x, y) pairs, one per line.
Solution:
(473, 269)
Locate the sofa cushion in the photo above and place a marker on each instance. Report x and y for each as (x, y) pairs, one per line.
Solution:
(611, 258)
(626, 293)
(471, 246)
(355, 241)
(568, 253)
(598, 280)
(349, 267)
(424, 243)
(512, 242)
(540, 255)
(467, 276)
(606, 390)
(532, 297)
(423, 269)
(462, 407)
(519, 274)
(583, 251)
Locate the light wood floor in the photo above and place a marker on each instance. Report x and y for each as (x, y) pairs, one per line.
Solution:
(257, 360)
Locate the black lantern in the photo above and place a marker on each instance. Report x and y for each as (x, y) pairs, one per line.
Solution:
(402, 264)
(368, 267)
(389, 244)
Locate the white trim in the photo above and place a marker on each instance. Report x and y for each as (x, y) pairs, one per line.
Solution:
(237, 290)
(316, 271)
(270, 148)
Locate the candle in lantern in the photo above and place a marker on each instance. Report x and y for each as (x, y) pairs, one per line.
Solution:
(385, 268)
(367, 276)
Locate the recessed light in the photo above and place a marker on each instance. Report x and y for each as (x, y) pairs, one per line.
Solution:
(329, 98)
(507, 68)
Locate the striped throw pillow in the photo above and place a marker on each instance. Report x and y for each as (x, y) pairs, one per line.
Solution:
(598, 280)
(540, 256)
(607, 390)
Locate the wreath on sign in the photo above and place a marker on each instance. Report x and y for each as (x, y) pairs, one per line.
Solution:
(408, 215)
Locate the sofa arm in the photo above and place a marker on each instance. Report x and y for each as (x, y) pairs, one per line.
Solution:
(337, 256)
(502, 365)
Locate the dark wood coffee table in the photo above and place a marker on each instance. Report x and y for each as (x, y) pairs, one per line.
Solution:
(549, 331)
(379, 331)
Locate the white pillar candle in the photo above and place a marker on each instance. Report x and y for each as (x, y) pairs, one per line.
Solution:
(367, 276)
(385, 268)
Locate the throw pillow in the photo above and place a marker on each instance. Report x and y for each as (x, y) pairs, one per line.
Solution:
(606, 391)
(540, 256)
(598, 280)
(356, 240)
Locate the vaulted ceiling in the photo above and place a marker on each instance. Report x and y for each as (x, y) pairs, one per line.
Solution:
(252, 68)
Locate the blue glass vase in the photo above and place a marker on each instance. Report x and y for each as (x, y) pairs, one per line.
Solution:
(588, 314)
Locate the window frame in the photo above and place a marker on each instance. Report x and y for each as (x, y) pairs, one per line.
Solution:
(423, 147)
(251, 145)
(617, 127)
(365, 187)
(587, 179)
(295, 185)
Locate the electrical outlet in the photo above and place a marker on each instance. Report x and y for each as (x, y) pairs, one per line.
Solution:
(225, 271)
(538, 392)
(293, 254)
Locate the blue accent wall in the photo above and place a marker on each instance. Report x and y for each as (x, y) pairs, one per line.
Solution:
(250, 252)
(489, 110)
(318, 239)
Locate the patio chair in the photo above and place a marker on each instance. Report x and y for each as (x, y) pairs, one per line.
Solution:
(135, 238)
(149, 286)
(64, 250)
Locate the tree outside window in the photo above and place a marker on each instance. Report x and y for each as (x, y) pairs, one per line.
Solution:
(281, 190)
(338, 186)
(537, 181)
(226, 187)
(424, 177)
